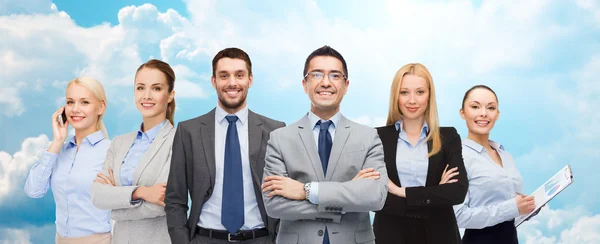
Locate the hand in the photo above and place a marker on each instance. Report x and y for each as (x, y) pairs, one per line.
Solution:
(106, 180)
(153, 194)
(447, 175)
(59, 132)
(394, 189)
(285, 187)
(526, 204)
(368, 173)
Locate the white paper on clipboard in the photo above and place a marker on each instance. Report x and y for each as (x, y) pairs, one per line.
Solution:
(548, 190)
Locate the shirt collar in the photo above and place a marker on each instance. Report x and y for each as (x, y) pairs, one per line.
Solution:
(151, 133)
(91, 138)
(314, 119)
(479, 148)
(424, 129)
(220, 114)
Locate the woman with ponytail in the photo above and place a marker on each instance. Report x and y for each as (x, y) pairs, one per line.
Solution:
(133, 181)
(69, 165)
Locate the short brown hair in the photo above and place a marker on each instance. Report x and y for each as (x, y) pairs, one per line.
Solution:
(234, 53)
(166, 69)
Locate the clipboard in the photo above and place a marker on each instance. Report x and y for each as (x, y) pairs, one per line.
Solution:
(547, 191)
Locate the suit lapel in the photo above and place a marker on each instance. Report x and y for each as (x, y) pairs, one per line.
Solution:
(160, 139)
(389, 139)
(255, 134)
(342, 132)
(434, 161)
(308, 140)
(120, 157)
(207, 133)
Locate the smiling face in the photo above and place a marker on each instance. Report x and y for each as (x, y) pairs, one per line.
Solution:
(324, 93)
(232, 81)
(152, 95)
(414, 97)
(83, 108)
(480, 111)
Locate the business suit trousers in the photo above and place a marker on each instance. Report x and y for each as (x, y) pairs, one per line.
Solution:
(503, 233)
(198, 239)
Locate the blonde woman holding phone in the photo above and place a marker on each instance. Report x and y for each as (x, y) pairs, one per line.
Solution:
(68, 169)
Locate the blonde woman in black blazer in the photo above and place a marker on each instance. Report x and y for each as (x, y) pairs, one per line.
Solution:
(424, 164)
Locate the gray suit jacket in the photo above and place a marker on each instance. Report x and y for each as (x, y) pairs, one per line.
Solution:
(344, 204)
(193, 171)
(142, 222)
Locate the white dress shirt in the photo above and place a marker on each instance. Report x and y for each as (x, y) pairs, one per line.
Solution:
(210, 217)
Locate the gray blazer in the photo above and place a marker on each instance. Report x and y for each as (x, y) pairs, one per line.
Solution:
(344, 204)
(193, 171)
(142, 222)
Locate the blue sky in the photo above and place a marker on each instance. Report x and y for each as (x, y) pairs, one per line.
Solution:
(541, 57)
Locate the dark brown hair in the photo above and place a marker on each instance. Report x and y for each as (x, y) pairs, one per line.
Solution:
(166, 69)
(325, 51)
(233, 53)
(477, 87)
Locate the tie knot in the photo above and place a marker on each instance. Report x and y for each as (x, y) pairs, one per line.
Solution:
(231, 118)
(323, 126)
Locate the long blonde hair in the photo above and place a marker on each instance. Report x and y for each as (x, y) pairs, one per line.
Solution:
(431, 114)
(98, 90)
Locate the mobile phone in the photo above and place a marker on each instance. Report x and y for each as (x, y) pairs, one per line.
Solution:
(62, 118)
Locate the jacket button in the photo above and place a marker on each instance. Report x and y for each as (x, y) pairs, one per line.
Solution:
(427, 201)
(320, 233)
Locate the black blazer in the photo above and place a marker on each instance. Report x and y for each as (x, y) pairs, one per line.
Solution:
(426, 215)
(193, 170)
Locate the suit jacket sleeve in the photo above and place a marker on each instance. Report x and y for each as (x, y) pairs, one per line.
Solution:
(144, 210)
(362, 195)
(176, 198)
(108, 197)
(280, 207)
(445, 194)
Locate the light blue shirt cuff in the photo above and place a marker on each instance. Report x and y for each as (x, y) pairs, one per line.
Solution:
(48, 159)
(313, 195)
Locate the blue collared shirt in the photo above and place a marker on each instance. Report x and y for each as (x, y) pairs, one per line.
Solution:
(141, 143)
(313, 195)
(411, 160)
(210, 217)
(70, 174)
(492, 188)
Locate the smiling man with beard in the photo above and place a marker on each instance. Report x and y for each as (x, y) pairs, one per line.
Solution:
(219, 158)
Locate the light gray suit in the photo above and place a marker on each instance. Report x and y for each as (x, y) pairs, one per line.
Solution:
(344, 204)
(142, 222)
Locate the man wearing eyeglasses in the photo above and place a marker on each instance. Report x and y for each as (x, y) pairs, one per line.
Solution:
(324, 173)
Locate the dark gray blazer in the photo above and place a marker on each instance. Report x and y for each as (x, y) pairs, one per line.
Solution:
(193, 170)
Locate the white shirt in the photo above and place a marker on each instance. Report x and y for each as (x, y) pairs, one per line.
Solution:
(210, 217)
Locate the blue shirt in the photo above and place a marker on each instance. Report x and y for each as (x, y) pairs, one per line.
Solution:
(412, 161)
(70, 174)
(210, 217)
(492, 188)
(313, 195)
(141, 143)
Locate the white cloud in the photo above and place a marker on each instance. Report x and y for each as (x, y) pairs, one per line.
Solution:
(26, 7)
(14, 169)
(14, 236)
(561, 226)
(10, 101)
(370, 121)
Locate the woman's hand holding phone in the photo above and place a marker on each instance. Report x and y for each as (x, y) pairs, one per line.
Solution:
(59, 131)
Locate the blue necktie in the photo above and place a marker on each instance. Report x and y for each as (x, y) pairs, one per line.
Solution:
(325, 144)
(232, 212)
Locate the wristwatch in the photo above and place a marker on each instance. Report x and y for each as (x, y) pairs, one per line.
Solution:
(307, 189)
